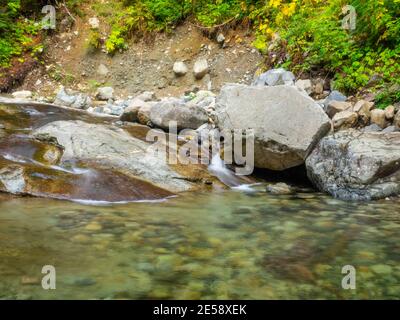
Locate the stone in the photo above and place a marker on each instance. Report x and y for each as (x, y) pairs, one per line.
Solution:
(112, 147)
(389, 112)
(203, 99)
(63, 98)
(143, 115)
(130, 114)
(105, 93)
(287, 124)
(147, 96)
(318, 87)
(200, 68)
(378, 117)
(180, 69)
(396, 121)
(221, 39)
(102, 70)
(372, 128)
(279, 189)
(363, 109)
(345, 120)
(354, 165)
(275, 77)
(337, 106)
(94, 23)
(82, 101)
(335, 96)
(24, 94)
(186, 116)
(305, 85)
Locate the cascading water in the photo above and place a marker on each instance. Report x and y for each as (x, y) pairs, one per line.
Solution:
(226, 176)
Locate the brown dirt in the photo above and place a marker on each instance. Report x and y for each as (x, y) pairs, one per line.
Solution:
(146, 65)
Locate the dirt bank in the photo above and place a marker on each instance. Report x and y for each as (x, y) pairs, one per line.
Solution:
(146, 65)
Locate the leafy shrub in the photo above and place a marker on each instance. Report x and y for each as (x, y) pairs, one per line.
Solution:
(15, 32)
(315, 39)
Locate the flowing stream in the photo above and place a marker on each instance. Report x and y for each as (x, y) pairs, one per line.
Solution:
(228, 244)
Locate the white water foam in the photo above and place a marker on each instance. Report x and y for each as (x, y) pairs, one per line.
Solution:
(218, 169)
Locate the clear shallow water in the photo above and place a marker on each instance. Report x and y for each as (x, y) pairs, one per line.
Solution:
(227, 245)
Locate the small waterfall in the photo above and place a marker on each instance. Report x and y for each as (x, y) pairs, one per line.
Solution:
(226, 176)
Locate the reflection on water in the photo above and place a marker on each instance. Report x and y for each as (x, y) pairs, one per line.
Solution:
(227, 245)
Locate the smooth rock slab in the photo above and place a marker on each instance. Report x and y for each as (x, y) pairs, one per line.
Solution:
(113, 147)
(353, 165)
(287, 124)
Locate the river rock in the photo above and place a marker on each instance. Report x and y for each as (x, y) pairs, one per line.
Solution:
(378, 117)
(353, 165)
(64, 98)
(180, 69)
(372, 128)
(279, 189)
(287, 123)
(396, 121)
(200, 68)
(389, 112)
(275, 77)
(318, 87)
(144, 114)
(345, 120)
(147, 96)
(334, 107)
(185, 115)
(82, 101)
(363, 109)
(305, 85)
(130, 114)
(335, 96)
(105, 93)
(113, 147)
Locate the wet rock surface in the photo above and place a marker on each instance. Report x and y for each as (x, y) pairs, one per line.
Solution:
(113, 147)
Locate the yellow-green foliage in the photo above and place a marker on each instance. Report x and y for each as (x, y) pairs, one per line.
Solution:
(313, 38)
(15, 32)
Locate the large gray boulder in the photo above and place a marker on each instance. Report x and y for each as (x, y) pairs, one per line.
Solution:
(353, 165)
(287, 123)
(114, 148)
(187, 116)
